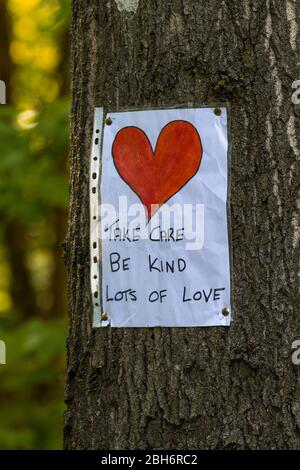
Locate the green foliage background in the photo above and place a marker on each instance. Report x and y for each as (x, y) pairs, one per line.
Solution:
(34, 129)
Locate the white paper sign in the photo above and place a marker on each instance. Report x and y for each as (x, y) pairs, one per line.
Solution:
(164, 228)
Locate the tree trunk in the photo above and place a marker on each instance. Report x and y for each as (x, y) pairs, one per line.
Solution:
(194, 388)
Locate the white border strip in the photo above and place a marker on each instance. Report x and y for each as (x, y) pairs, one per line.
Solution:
(95, 247)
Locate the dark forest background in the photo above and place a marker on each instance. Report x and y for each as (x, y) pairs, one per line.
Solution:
(34, 129)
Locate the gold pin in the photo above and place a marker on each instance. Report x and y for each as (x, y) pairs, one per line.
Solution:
(104, 316)
(225, 312)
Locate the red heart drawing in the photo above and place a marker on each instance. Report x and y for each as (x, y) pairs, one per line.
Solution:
(157, 176)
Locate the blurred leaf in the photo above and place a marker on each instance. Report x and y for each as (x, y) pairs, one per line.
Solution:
(34, 142)
(32, 377)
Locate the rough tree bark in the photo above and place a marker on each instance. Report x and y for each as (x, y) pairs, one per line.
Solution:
(187, 388)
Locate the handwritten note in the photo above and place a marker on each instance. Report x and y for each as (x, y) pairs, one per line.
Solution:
(164, 221)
